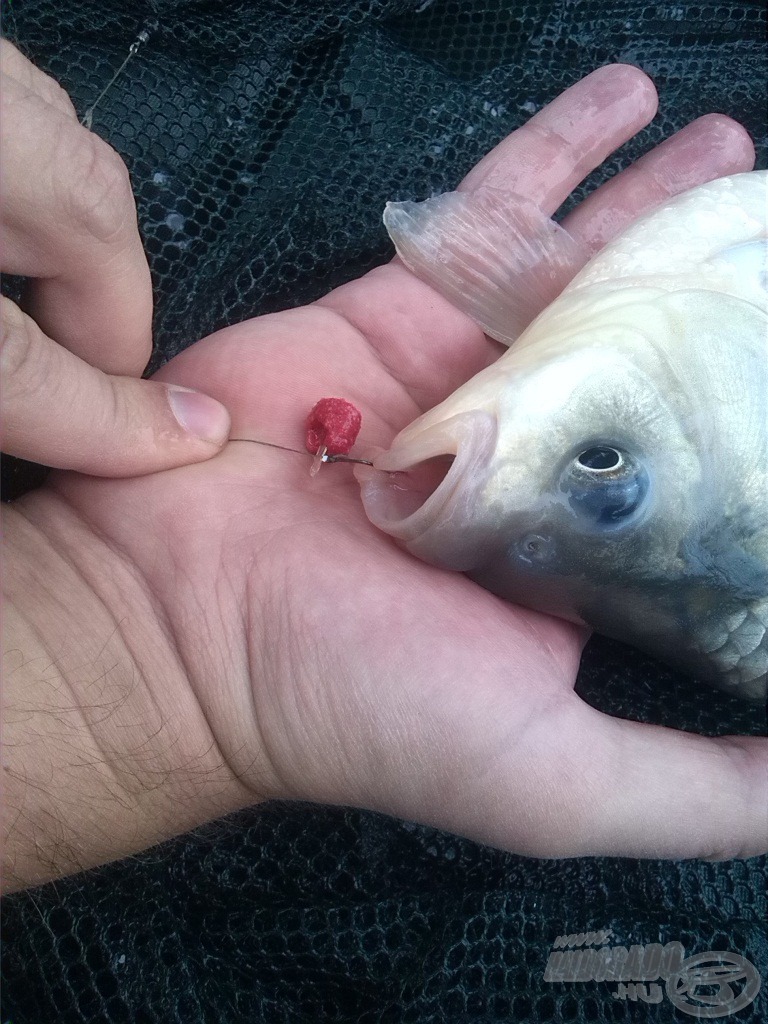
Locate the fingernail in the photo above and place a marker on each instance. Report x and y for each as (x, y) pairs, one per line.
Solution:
(199, 414)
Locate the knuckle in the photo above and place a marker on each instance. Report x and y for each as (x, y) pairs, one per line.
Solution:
(59, 97)
(17, 347)
(100, 191)
(117, 407)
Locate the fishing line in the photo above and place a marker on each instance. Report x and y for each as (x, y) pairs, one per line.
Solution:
(141, 38)
(323, 456)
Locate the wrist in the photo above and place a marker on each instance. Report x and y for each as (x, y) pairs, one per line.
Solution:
(108, 749)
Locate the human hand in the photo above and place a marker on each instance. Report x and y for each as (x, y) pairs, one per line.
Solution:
(330, 665)
(71, 361)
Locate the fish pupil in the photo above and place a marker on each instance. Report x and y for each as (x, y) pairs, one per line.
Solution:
(599, 458)
(606, 485)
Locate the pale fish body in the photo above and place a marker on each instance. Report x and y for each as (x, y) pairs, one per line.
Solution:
(611, 467)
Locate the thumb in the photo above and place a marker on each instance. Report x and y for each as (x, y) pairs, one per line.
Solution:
(61, 411)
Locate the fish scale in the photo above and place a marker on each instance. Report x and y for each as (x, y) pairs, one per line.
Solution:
(742, 657)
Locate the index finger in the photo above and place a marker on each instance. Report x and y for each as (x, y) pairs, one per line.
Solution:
(69, 223)
(15, 64)
(547, 157)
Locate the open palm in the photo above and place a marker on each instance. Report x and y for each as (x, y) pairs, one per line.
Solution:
(334, 667)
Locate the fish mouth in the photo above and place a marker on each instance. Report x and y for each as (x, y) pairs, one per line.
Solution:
(423, 490)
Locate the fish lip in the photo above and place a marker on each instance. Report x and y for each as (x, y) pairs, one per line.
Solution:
(471, 438)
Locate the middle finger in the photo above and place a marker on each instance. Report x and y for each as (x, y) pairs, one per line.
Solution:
(547, 157)
(541, 161)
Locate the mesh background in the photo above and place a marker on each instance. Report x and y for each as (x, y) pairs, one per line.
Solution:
(263, 140)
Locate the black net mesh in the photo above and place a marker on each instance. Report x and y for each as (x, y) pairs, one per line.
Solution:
(263, 140)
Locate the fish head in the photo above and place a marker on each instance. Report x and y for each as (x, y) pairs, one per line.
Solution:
(612, 467)
(560, 478)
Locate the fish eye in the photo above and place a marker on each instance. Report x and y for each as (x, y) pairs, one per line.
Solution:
(600, 458)
(605, 485)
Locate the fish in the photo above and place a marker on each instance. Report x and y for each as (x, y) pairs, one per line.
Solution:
(611, 467)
